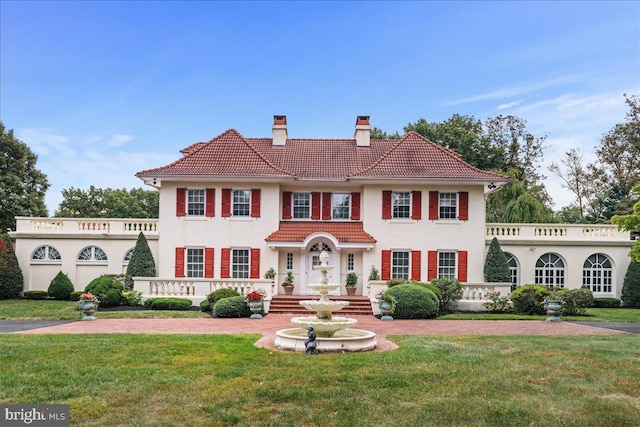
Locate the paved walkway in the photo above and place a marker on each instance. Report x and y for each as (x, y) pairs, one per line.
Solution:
(273, 322)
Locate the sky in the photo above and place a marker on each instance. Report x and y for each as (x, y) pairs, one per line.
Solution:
(100, 90)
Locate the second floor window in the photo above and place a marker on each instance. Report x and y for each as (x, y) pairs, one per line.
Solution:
(301, 205)
(340, 206)
(401, 204)
(241, 202)
(195, 202)
(448, 205)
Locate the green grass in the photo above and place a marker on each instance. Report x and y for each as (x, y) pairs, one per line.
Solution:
(631, 315)
(223, 380)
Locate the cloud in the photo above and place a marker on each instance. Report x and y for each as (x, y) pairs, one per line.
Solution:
(118, 140)
(508, 105)
(43, 142)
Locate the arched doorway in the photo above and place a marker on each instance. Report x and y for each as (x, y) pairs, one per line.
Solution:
(313, 259)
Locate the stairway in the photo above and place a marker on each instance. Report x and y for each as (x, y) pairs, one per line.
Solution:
(290, 304)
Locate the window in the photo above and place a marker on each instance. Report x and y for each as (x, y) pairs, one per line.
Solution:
(240, 263)
(351, 262)
(597, 273)
(92, 253)
(549, 270)
(301, 205)
(447, 265)
(195, 202)
(515, 271)
(340, 206)
(128, 255)
(448, 205)
(401, 204)
(289, 261)
(400, 265)
(241, 202)
(195, 262)
(46, 253)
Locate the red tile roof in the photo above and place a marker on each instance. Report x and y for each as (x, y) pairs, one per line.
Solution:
(298, 231)
(412, 156)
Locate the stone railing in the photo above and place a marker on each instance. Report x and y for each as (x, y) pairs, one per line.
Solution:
(87, 225)
(559, 232)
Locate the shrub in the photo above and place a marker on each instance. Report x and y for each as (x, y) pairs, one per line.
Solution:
(181, 304)
(450, 293)
(428, 285)
(395, 282)
(529, 299)
(576, 301)
(606, 303)
(218, 294)
(75, 296)
(11, 279)
(131, 298)
(496, 266)
(60, 287)
(231, 307)
(413, 302)
(107, 289)
(141, 263)
(206, 306)
(631, 285)
(497, 303)
(35, 294)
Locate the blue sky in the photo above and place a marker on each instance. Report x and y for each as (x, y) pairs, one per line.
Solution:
(101, 90)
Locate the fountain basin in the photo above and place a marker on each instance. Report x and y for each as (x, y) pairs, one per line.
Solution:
(324, 328)
(324, 287)
(349, 340)
(324, 306)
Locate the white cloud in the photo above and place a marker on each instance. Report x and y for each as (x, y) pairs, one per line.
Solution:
(508, 105)
(119, 140)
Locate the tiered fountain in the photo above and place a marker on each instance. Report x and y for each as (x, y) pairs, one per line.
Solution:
(333, 333)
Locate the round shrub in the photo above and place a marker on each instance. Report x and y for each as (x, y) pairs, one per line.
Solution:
(606, 303)
(218, 294)
(529, 299)
(414, 302)
(60, 287)
(107, 289)
(576, 301)
(395, 282)
(35, 294)
(428, 285)
(206, 306)
(231, 307)
(181, 304)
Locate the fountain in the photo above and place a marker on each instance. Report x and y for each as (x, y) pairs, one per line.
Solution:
(334, 334)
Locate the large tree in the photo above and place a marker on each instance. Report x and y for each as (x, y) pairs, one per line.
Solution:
(108, 203)
(22, 185)
(631, 222)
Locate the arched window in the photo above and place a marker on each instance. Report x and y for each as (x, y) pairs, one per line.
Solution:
(550, 270)
(515, 270)
(127, 256)
(46, 253)
(92, 253)
(597, 273)
(319, 247)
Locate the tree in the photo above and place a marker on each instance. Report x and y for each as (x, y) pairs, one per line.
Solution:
(518, 203)
(631, 222)
(141, 263)
(377, 133)
(11, 279)
(22, 185)
(496, 265)
(108, 203)
(631, 285)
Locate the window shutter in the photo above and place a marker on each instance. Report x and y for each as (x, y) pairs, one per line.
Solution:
(385, 273)
(433, 205)
(463, 209)
(210, 202)
(286, 204)
(208, 262)
(416, 202)
(326, 206)
(254, 264)
(315, 205)
(179, 267)
(255, 203)
(225, 264)
(432, 265)
(386, 205)
(415, 265)
(226, 202)
(181, 201)
(462, 266)
(355, 206)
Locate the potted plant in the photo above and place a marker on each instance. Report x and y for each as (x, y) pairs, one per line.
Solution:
(270, 274)
(255, 303)
(288, 284)
(352, 280)
(88, 304)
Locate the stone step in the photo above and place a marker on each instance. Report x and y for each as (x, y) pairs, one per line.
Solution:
(290, 304)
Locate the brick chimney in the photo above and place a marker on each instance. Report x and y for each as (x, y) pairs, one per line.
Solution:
(363, 132)
(279, 128)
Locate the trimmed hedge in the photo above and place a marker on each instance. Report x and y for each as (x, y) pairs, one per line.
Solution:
(414, 302)
(206, 306)
(218, 294)
(529, 299)
(181, 304)
(60, 287)
(35, 294)
(231, 307)
(107, 289)
(606, 303)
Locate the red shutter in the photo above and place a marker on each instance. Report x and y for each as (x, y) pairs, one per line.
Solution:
(181, 201)
(326, 206)
(255, 264)
(255, 203)
(355, 206)
(225, 264)
(463, 210)
(416, 202)
(179, 267)
(286, 204)
(386, 205)
(433, 205)
(386, 265)
(315, 205)
(415, 266)
(462, 266)
(432, 265)
(208, 263)
(210, 202)
(226, 202)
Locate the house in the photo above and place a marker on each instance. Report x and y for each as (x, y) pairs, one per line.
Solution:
(233, 207)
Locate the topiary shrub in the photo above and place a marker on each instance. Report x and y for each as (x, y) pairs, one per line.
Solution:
(414, 302)
(11, 279)
(496, 265)
(450, 293)
(231, 307)
(141, 263)
(60, 287)
(606, 303)
(107, 289)
(206, 306)
(529, 299)
(218, 294)
(576, 301)
(75, 296)
(35, 294)
(631, 285)
(181, 304)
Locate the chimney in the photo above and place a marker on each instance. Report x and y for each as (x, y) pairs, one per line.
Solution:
(279, 128)
(363, 132)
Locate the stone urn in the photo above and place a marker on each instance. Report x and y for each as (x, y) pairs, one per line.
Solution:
(385, 309)
(88, 308)
(256, 309)
(554, 310)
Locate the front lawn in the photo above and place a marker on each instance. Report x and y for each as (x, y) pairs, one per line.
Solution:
(224, 380)
(593, 315)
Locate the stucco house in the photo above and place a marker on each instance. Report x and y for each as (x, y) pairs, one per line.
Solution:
(233, 207)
